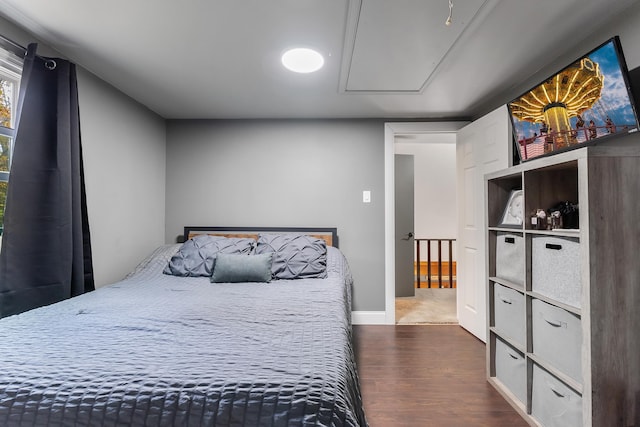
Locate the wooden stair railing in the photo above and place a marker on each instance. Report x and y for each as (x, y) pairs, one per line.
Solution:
(438, 264)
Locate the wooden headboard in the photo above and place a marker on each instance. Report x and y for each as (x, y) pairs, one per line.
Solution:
(329, 235)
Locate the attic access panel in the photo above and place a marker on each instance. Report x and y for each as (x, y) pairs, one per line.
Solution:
(396, 46)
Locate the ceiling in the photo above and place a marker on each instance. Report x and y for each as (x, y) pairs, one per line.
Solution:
(391, 59)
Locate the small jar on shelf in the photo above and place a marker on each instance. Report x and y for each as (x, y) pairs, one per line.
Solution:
(555, 220)
(538, 219)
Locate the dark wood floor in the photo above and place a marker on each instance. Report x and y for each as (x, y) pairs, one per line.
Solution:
(421, 375)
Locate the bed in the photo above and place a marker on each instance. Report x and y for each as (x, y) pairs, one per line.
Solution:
(163, 349)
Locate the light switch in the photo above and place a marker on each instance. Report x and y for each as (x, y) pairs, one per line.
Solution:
(366, 196)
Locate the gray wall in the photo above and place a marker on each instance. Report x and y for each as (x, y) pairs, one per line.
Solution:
(284, 173)
(124, 156)
(625, 25)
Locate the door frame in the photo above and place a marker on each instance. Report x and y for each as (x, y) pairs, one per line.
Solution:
(391, 130)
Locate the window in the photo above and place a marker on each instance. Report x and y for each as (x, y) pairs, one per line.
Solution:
(10, 72)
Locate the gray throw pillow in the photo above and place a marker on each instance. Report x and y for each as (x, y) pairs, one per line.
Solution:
(197, 255)
(233, 268)
(294, 256)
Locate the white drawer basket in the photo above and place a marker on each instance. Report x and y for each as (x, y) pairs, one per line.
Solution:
(510, 257)
(557, 337)
(509, 313)
(511, 369)
(553, 403)
(555, 268)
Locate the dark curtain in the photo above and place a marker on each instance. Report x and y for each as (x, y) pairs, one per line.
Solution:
(46, 250)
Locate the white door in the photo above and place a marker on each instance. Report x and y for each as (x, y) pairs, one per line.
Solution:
(482, 146)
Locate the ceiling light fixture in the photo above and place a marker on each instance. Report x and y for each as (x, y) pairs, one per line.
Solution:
(448, 21)
(302, 60)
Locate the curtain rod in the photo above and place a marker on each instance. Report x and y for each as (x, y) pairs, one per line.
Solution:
(12, 46)
(21, 51)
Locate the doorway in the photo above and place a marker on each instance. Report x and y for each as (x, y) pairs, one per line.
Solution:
(390, 132)
(482, 147)
(426, 210)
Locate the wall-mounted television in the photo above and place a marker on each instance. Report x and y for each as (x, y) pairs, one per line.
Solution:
(586, 101)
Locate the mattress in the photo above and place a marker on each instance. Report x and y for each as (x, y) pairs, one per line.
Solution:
(161, 350)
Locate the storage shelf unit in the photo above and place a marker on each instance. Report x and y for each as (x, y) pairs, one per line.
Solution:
(564, 305)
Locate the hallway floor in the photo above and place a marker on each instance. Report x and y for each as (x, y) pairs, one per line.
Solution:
(436, 306)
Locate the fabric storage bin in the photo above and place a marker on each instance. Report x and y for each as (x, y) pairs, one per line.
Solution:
(511, 369)
(555, 268)
(508, 312)
(553, 403)
(510, 257)
(557, 337)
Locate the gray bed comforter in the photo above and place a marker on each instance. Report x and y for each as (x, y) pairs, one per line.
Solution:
(159, 350)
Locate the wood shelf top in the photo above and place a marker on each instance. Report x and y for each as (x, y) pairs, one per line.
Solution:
(508, 284)
(575, 385)
(561, 232)
(571, 309)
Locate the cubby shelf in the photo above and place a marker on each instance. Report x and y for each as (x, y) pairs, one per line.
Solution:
(574, 290)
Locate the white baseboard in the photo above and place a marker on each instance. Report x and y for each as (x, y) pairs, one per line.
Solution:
(368, 317)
